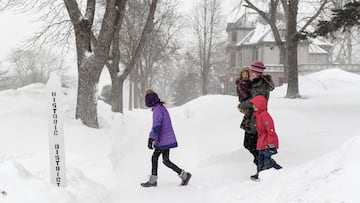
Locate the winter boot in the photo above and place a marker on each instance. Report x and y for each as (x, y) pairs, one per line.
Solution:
(185, 177)
(276, 165)
(3, 193)
(152, 182)
(255, 177)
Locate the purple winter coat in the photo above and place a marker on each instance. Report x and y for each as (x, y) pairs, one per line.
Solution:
(162, 131)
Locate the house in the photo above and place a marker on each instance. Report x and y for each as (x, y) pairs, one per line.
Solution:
(250, 39)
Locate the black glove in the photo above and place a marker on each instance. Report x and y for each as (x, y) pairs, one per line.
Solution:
(150, 143)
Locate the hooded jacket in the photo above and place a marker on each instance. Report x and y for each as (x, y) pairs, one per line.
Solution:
(267, 137)
(162, 131)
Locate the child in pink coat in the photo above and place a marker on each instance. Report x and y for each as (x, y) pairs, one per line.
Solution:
(268, 142)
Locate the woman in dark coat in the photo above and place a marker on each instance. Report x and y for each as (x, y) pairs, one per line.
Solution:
(260, 85)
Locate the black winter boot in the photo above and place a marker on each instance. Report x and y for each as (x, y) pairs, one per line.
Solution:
(185, 177)
(255, 177)
(152, 182)
(3, 193)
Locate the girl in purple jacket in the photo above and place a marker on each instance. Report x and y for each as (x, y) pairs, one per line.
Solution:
(162, 138)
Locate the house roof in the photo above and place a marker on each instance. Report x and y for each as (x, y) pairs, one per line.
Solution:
(263, 33)
(321, 41)
(260, 31)
(315, 49)
(246, 38)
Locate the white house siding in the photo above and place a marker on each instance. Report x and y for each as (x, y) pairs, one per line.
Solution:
(231, 55)
(318, 59)
(247, 56)
(238, 59)
(271, 55)
(303, 55)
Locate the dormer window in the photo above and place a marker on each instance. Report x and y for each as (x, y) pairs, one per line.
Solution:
(233, 59)
(233, 36)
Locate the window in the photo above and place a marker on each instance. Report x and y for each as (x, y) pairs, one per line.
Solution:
(240, 59)
(234, 36)
(255, 54)
(233, 59)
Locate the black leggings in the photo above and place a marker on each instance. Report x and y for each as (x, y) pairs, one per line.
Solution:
(165, 155)
(250, 141)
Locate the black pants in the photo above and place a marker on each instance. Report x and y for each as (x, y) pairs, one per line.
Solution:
(250, 141)
(165, 155)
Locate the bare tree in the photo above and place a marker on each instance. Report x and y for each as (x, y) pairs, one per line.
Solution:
(92, 53)
(155, 68)
(292, 40)
(207, 29)
(141, 76)
(118, 76)
(33, 66)
(92, 47)
(51, 16)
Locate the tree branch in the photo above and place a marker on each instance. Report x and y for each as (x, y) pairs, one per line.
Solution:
(313, 17)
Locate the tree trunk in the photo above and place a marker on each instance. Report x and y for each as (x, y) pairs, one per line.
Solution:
(86, 108)
(114, 71)
(131, 90)
(293, 83)
(117, 103)
(292, 42)
(91, 57)
(136, 95)
(349, 46)
(113, 67)
(204, 82)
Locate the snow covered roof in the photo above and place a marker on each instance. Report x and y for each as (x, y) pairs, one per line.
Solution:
(315, 49)
(263, 33)
(260, 31)
(321, 41)
(246, 38)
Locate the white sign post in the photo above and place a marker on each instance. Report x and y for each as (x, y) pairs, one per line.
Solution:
(56, 133)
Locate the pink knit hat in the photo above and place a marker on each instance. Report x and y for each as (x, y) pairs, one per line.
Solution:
(258, 67)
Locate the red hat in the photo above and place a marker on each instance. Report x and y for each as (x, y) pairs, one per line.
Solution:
(258, 67)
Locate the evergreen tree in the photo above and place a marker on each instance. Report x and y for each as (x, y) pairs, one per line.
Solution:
(345, 18)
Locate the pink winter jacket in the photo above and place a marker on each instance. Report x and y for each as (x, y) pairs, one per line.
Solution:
(267, 137)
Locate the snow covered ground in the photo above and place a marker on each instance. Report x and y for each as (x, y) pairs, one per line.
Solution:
(319, 149)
